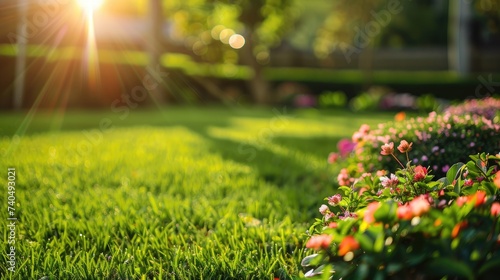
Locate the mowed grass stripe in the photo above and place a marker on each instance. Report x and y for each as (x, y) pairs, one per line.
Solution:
(166, 202)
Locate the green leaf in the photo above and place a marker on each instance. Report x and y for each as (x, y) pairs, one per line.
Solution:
(443, 181)
(454, 173)
(393, 268)
(362, 271)
(386, 212)
(379, 242)
(365, 241)
(489, 187)
(380, 275)
(480, 165)
(347, 190)
(492, 265)
(310, 260)
(449, 267)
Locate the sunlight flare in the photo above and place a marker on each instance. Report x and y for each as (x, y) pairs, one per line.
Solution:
(91, 60)
(90, 5)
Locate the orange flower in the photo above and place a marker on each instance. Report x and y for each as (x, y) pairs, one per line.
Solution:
(387, 149)
(404, 212)
(495, 209)
(404, 146)
(437, 222)
(457, 228)
(400, 116)
(348, 244)
(478, 198)
(319, 242)
(496, 181)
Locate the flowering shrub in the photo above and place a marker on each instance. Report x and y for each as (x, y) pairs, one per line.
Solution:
(407, 225)
(441, 138)
(487, 107)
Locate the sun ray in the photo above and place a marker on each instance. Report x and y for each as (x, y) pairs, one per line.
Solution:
(91, 58)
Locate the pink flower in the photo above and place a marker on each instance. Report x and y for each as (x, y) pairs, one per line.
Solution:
(404, 146)
(387, 149)
(329, 215)
(334, 200)
(468, 182)
(381, 173)
(370, 210)
(333, 225)
(495, 209)
(333, 158)
(365, 129)
(461, 200)
(420, 205)
(343, 178)
(389, 182)
(357, 137)
(324, 209)
(345, 147)
(318, 242)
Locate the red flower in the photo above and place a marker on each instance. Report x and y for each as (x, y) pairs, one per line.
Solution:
(348, 244)
(495, 209)
(420, 173)
(319, 242)
(468, 182)
(404, 146)
(387, 149)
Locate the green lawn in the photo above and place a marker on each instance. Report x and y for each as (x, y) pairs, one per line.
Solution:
(178, 193)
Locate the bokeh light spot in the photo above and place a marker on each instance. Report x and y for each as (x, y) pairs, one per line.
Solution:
(236, 41)
(225, 35)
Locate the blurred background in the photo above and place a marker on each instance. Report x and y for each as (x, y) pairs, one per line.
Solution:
(315, 53)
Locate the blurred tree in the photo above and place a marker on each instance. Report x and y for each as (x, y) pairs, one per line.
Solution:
(155, 50)
(354, 26)
(234, 31)
(225, 31)
(459, 47)
(489, 11)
